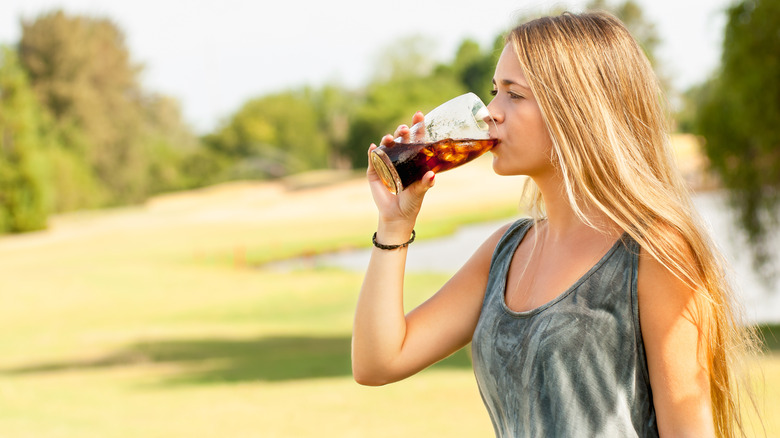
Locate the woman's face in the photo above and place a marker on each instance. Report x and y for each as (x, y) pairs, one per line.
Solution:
(524, 146)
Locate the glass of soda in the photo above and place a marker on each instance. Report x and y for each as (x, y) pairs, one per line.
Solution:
(452, 134)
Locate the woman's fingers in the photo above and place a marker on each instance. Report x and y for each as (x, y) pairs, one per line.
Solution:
(419, 131)
(387, 140)
(370, 165)
(402, 131)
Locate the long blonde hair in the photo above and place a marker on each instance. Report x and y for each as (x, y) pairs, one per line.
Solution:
(602, 105)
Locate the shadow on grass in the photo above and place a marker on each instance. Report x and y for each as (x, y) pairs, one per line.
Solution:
(204, 361)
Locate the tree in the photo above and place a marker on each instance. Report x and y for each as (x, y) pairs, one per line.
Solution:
(128, 141)
(335, 106)
(81, 71)
(739, 115)
(474, 68)
(410, 82)
(389, 104)
(22, 188)
(168, 144)
(272, 136)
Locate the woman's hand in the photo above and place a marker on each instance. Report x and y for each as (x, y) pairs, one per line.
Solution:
(399, 212)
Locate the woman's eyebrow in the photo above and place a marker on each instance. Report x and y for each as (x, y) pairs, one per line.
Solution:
(508, 82)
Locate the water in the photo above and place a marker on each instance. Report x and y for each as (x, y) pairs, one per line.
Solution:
(448, 253)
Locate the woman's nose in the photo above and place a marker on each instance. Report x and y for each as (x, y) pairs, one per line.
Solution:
(497, 115)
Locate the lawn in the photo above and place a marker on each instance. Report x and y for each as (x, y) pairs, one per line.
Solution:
(159, 321)
(204, 352)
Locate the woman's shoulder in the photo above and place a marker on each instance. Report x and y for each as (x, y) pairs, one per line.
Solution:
(515, 229)
(661, 287)
(504, 233)
(519, 225)
(653, 271)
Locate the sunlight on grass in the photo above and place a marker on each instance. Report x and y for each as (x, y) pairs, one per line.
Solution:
(157, 322)
(203, 352)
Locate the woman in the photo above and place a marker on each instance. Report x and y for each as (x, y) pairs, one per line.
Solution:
(607, 313)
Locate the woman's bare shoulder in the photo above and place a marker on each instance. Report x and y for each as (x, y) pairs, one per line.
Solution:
(480, 260)
(492, 241)
(659, 279)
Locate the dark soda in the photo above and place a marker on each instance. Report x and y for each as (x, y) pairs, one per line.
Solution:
(405, 163)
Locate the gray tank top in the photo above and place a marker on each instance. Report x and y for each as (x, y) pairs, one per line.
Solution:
(574, 367)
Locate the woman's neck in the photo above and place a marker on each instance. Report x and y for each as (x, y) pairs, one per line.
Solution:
(563, 222)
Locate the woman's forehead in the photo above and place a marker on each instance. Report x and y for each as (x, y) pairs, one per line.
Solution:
(508, 70)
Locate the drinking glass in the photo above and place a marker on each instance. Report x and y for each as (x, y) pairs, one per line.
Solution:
(452, 134)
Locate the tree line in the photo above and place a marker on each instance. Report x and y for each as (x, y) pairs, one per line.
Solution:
(78, 130)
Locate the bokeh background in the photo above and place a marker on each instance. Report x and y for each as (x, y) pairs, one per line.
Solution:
(183, 219)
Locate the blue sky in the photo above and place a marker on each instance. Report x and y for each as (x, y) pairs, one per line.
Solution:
(214, 55)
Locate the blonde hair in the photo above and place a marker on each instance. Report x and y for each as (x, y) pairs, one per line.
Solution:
(602, 105)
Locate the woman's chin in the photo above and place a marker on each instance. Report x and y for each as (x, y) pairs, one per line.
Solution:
(497, 168)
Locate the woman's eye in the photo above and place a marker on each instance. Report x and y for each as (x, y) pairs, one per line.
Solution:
(493, 92)
(514, 95)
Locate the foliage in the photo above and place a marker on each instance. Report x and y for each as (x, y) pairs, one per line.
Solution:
(739, 111)
(272, 136)
(473, 67)
(335, 106)
(22, 195)
(109, 142)
(391, 103)
(394, 98)
(120, 140)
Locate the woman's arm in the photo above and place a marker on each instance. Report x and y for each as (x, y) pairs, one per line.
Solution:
(386, 344)
(679, 376)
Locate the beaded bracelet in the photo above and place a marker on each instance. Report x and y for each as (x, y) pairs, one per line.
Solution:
(390, 247)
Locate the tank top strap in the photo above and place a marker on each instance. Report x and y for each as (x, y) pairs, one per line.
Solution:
(504, 250)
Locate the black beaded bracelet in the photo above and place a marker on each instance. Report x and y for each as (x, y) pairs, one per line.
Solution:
(389, 247)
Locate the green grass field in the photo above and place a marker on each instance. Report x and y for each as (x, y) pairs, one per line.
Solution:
(124, 326)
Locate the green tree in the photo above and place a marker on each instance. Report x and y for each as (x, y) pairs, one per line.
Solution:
(410, 82)
(474, 68)
(129, 142)
(81, 71)
(335, 106)
(22, 187)
(389, 104)
(739, 116)
(272, 136)
(169, 143)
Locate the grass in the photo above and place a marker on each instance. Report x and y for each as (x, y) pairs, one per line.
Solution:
(153, 328)
(141, 322)
(226, 353)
